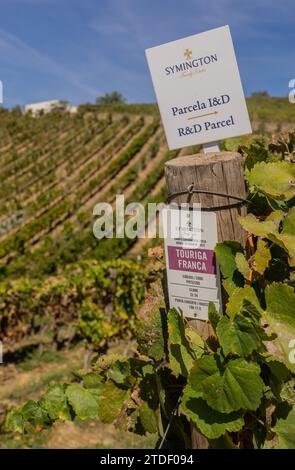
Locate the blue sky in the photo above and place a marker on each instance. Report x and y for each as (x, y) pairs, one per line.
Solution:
(80, 49)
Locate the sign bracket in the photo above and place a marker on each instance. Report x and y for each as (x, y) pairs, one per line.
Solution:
(211, 147)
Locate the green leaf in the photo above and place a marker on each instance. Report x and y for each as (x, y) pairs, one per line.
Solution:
(92, 380)
(213, 315)
(111, 401)
(229, 285)
(277, 204)
(273, 179)
(196, 341)
(15, 421)
(229, 387)
(180, 352)
(238, 386)
(151, 335)
(287, 242)
(141, 367)
(148, 418)
(279, 373)
(82, 401)
(237, 336)
(262, 257)
(209, 422)
(34, 413)
(106, 361)
(203, 369)
(55, 402)
(120, 373)
(276, 216)
(289, 223)
(242, 265)
(237, 299)
(180, 360)
(226, 257)
(251, 312)
(257, 227)
(288, 392)
(279, 314)
(285, 430)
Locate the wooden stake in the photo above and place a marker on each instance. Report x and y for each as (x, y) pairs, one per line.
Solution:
(220, 172)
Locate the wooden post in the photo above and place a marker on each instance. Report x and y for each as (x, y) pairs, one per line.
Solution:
(220, 172)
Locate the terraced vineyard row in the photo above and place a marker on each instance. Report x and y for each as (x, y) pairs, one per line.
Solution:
(74, 155)
(56, 177)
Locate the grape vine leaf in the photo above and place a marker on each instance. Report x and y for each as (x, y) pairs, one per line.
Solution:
(15, 421)
(285, 430)
(227, 387)
(148, 418)
(279, 315)
(196, 341)
(226, 257)
(180, 352)
(213, 315)
(289, 222)
(279, 374)
(268, 228)
(273, 179)
(120, 373)
(208, 421)
(34, 413)
(276, 216)
(236, 300)
(82, 401)
(262, 256)
(55, 402)
(288, 392)
(257, 227)
(111, 401)
(237, 336)
(242, 265)
(287, 242)
(152, 333)
(239, 386)
(256, 152)
(92, 380)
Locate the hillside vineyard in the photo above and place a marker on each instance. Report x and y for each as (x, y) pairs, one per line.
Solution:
(57, 167)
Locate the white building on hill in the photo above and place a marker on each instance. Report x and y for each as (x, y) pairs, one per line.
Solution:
(73, 109)
(43, 107)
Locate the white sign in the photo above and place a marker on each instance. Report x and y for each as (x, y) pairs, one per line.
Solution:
(198, 88)
(192, 271)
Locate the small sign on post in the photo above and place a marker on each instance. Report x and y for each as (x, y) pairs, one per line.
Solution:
(198, 89)
(192, 272)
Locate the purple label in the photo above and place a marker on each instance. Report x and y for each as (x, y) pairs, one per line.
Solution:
(192, 259)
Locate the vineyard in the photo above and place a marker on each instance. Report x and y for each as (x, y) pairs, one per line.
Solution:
(100, 304)
(78, 162)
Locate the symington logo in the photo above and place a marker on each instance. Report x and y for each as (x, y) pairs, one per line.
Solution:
(190, 64)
